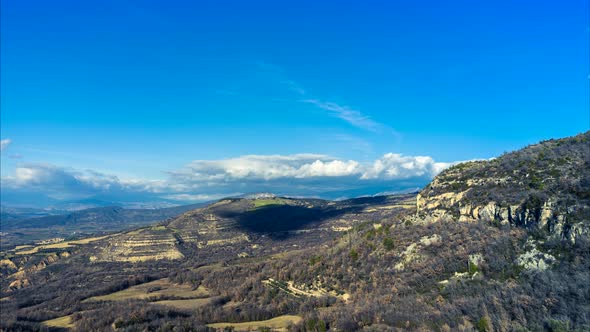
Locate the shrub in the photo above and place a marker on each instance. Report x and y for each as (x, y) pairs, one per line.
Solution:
(388, 243)
(482, 325)
(313, 260)
(354, 255)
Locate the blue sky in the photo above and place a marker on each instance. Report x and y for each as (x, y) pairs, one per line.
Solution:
(140, 90)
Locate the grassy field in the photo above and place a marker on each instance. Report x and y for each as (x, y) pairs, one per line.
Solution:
(26, 246)
(60, 245)
(61, 322)
(154, 289)
(276, 324)
(265, 202)
(184, 304)
(87, 240)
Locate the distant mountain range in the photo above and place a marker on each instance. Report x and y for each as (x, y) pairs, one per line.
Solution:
(18, 229)
(22, 200)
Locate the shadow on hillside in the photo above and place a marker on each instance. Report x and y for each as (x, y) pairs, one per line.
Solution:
(373, 200)
(280, 221)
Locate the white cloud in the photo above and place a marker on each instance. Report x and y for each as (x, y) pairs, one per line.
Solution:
(347, 114)
(4, 144)
(396, 166)
(203, 180)
(268, 167)
(329, 168)
(54, 179)
(271, 167)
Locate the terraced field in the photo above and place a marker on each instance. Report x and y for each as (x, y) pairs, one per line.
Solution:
(144, 244)
(205, 229)
(28, 250)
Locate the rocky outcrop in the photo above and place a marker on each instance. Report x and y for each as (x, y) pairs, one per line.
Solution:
(7, 264)
(547, 215)
(414, 251)
(533, 259)
(20, 278)
(19, 283)
(543, 187)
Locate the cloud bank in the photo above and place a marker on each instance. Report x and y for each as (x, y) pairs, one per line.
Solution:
(202, 180)
(306, 166)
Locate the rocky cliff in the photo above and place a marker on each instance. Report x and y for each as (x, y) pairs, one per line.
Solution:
(543, 187)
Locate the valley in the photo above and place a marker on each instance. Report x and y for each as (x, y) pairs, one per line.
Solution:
(24, 230)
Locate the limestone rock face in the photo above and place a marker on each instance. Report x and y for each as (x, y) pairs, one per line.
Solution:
(548, 216)
(544, 186)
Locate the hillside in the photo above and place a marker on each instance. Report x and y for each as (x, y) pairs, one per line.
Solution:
(499, 245)
(544, 186)
(232, 232)
(20, 231)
